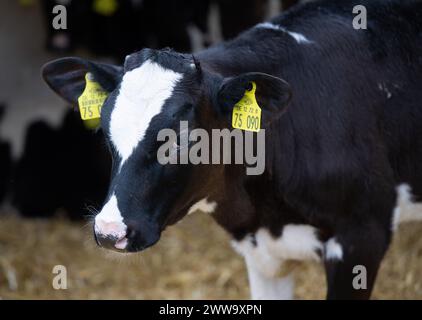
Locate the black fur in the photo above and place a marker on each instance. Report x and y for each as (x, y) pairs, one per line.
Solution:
(6, 165)
(48, 175)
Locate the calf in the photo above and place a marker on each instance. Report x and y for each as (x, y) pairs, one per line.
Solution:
(341, 112)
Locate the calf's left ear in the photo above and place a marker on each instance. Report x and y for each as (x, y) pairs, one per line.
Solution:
(272, 94)
(66, 76)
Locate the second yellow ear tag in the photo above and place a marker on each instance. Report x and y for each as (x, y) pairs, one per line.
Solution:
(105, 7)
(92, 99)
(247, 113)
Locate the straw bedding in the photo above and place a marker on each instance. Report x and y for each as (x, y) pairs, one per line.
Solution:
(193, 260)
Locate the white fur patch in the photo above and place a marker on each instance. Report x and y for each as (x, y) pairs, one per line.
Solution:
(264, 255)
(297, 242)
(383, 87)
(109, 222)
(263, 260)
(262, 266)
(406, 209)
(263, 287)
(142, 95)
(333, 250)
(203, 205)
(300, 38)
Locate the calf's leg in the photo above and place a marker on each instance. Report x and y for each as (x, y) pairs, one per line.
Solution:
(267, 286)
(352, 271)
(262, 272)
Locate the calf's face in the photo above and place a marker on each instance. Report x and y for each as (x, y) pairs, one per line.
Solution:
(156, 90)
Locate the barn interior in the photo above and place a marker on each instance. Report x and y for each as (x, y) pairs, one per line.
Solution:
(54, 170)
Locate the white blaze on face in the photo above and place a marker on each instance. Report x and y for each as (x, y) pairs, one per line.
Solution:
(142, 94)
(109, 222)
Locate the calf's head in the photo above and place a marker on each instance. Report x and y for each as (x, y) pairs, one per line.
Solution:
(155, 90)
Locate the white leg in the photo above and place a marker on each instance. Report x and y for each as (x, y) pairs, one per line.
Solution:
(407, 210)
(412, 214)
(262, 272)
(268, 287)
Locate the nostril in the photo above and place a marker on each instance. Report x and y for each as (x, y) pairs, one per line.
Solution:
(105, 241)
(130, 233)
(110, 242)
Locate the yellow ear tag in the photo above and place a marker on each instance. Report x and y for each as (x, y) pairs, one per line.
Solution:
(91, 100)
(105, 7)
(247, 113)
(26, 3)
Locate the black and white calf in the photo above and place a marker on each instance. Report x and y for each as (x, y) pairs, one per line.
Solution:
(343, 139)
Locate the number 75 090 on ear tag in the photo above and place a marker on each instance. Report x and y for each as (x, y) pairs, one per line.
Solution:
(92, 99)
(247, 113)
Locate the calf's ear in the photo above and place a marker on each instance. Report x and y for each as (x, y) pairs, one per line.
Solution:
(66, 76)
(272, 94)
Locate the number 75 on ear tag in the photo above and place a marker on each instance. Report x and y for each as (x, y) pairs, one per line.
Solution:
(92, 99)
(247, 113)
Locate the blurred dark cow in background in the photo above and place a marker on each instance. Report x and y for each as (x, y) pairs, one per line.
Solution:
(33, 182)
(341, 164)
(5, 163)
(127, 26)
(48, 173)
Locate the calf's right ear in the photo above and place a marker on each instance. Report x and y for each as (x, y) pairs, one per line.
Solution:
(66, 76)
